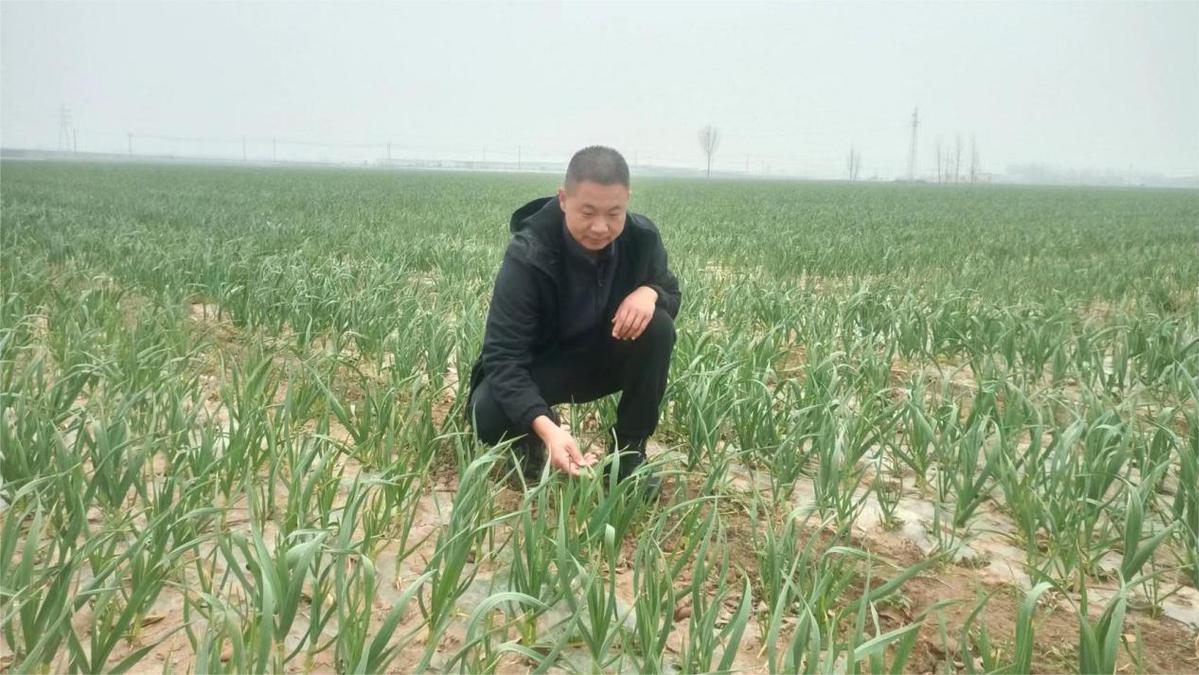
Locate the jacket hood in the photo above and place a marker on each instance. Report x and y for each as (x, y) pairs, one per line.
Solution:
(547, 209)
(537, 232)
(542, 208)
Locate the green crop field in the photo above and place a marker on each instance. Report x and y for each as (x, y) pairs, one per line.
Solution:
(908, 428)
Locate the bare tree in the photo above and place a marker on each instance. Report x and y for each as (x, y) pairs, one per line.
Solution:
(709, 140)
(854, 164)
(974, 159)
(957, 157)
(940, 168)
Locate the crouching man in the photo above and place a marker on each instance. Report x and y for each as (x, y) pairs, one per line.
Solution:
(583, 306)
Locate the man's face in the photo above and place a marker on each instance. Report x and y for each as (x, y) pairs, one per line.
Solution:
(594, 213)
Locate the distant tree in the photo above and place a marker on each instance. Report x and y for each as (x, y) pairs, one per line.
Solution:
(854, 163)
(957, 157)
(974, 159)
(940, 158)
(709, 140)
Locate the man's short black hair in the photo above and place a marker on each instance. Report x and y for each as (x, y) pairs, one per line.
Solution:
(598, 164)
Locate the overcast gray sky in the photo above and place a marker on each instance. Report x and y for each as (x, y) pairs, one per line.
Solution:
(1087, 86)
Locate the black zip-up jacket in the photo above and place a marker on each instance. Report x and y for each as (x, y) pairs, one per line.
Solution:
(530, 297)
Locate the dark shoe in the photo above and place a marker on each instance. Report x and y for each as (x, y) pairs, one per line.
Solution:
(632, 456)
(530, 455)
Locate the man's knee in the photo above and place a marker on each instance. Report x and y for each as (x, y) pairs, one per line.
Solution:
(660, 330)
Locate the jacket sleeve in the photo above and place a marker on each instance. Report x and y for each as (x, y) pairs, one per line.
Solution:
(663, 281)
(508, 343)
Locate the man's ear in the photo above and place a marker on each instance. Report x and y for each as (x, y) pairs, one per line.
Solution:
(562, 197)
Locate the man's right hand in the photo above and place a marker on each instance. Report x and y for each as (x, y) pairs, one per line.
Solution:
(561, 449)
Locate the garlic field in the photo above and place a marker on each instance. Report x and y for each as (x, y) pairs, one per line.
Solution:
(908, 428)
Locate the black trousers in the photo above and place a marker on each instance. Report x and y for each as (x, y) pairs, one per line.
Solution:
(588, 369)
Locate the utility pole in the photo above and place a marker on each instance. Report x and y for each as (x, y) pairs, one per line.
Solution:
(912, 147)
(389, 152)
(64, 128)
(274, 153)
(74, 141)
(747, 165)
(518, 157)
(129, 138)
(243, 148)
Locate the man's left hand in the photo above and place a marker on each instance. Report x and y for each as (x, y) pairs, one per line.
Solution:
(634, 314)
